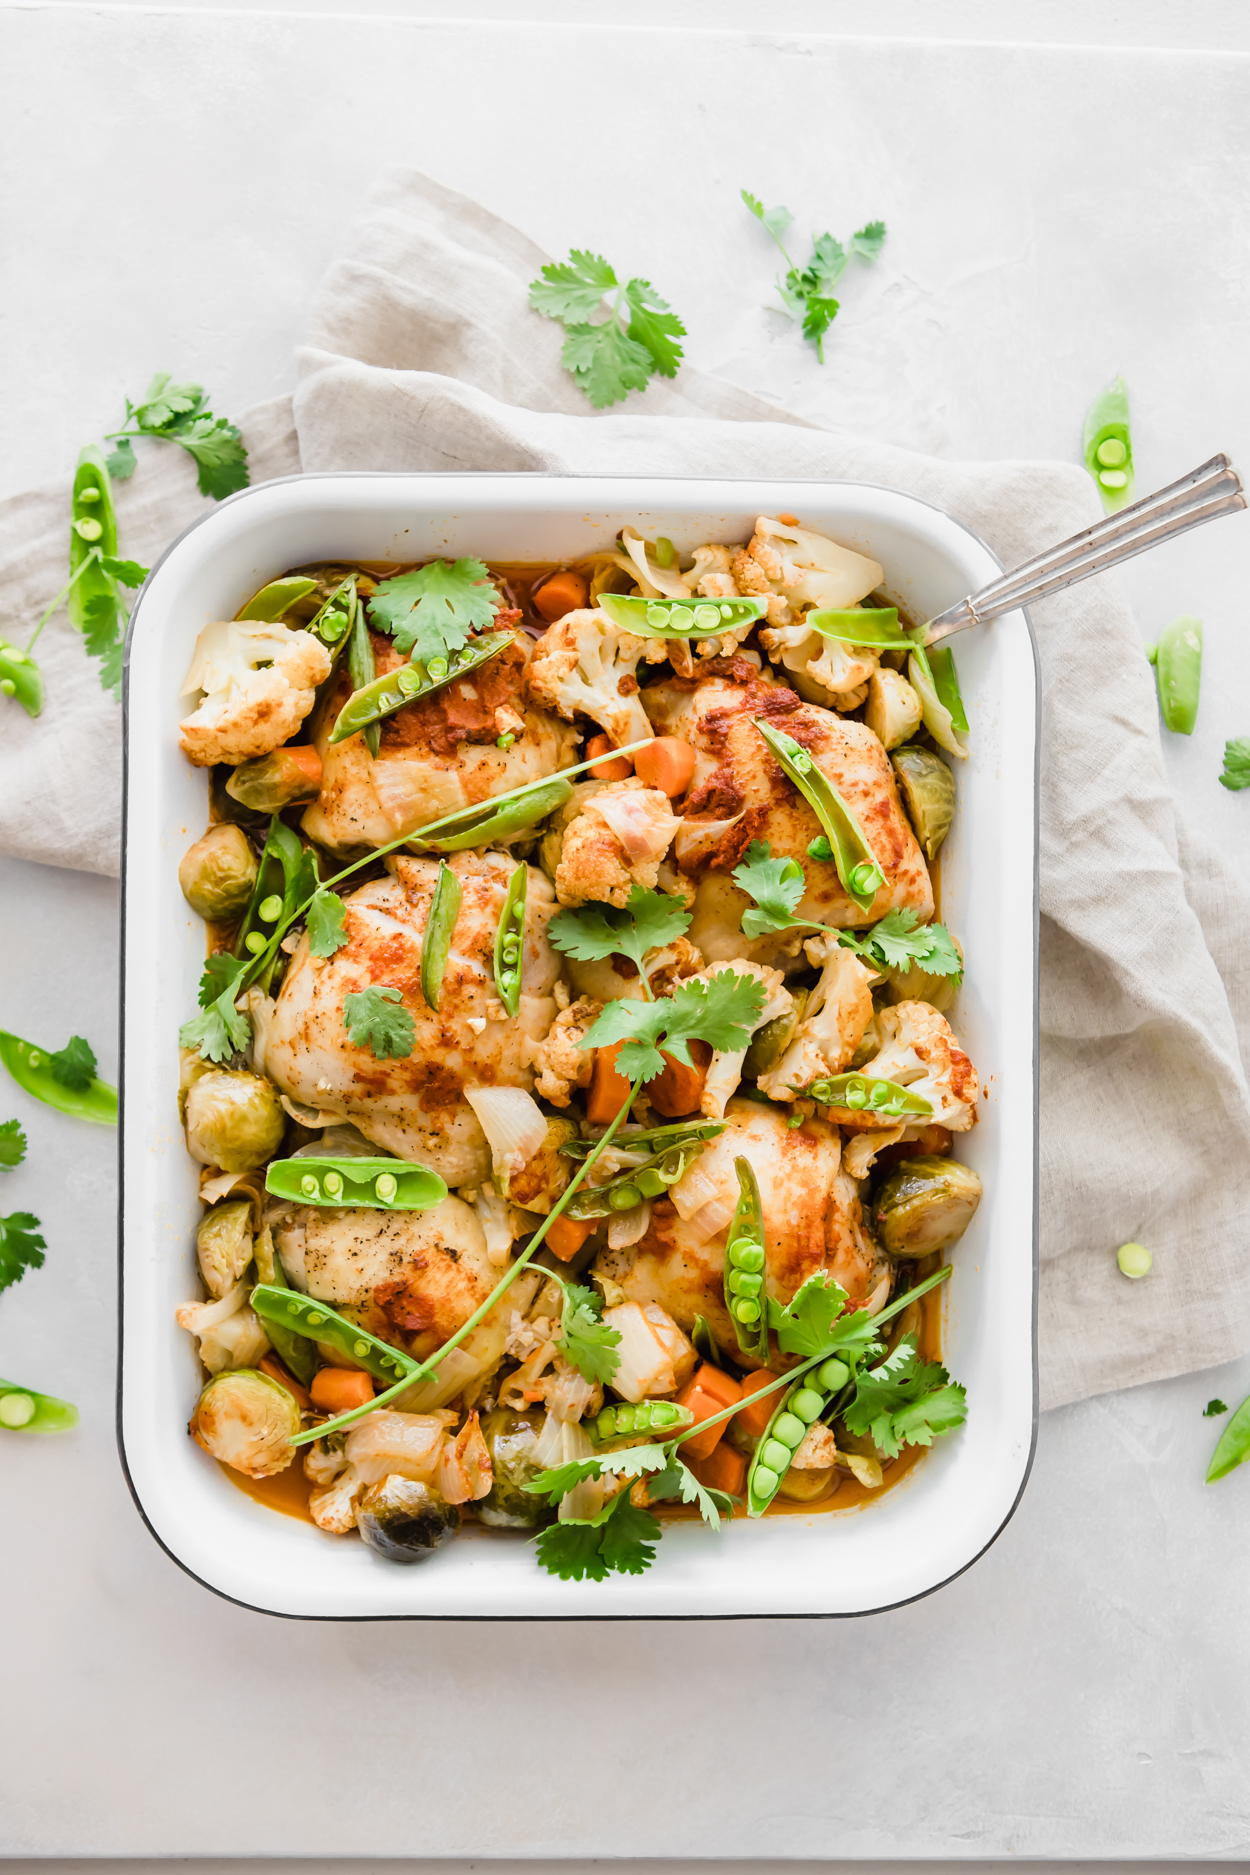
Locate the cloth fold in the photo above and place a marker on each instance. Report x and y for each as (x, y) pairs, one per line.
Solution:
(423, 353)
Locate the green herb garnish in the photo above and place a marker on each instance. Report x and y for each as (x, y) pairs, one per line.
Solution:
(624, 351)
(375, 1018)
(807, 292)
(178, 413)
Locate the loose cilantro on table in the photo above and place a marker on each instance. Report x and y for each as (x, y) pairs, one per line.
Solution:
(1213, 1409)
(807, 292)
(904, 1401)
(721, 1013)
(621, 353)
(179, 413)
(74, 1065)
(373, 1022)
(21, 1247)
(649, 922)
(12, 1143)
(432, 611)
(327, 923)
(1236, 773)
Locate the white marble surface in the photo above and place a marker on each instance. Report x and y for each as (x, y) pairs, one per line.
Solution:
(174, 180)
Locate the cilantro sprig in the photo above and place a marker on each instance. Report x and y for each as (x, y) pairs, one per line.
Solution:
(179, 413)
(721, 1012)
(327, 923)
(21, 1247)
(432, 611)
(807, 292)
(905, 1401)
(1236, 773)
(622, 352)
(375, 1018)
(585, 1339)
(649, 922)
(12, 1144)
(895, 942)
(74, 1065)
(900, 941)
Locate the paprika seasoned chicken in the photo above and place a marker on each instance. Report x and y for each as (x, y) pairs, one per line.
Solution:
(553, 1096)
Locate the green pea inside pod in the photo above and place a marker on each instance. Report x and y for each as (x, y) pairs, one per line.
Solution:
(1108, 445)
(92, 538)
(302, 1315)
(856, 1093)
(745, 1259)
(679, 618)
(356, 1184)
(24, 1410)
(333, 623)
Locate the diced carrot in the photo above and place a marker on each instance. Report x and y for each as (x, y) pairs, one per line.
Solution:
(339, 1389)
(755, 1414)
(306, 758)
(722, 1470)
(619, 769)
(788, 520)
(666, 764)
(678, 1090)
(709, 1390)
(567, 1235)
(279, 1371)
(609, 1090)
(563, 592)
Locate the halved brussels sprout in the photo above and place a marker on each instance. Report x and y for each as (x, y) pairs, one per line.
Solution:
(511, 1439)
(928, 790)
(924, 1205)
(247, 1421)
(223, 1245)
(893, 708)
(217, 874)
(234, 1119)
(805, 1487)
(769, 1044)
(284, 778)
(405, 1521)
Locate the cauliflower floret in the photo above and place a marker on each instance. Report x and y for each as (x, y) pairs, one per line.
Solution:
(616, 842)
(229, 1333)
(585, 664)
(919, 1052)
(796, 568)
(838, 1012)
(824, 669)
(725, 1070)
(562, 1063)
(257, 683)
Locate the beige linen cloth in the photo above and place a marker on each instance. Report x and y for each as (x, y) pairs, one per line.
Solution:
(423, 354)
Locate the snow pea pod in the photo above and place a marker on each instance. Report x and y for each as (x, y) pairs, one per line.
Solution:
(800, 1407)
(316, 1321)
(1108, 445)
(679, 618)
(20, 678)
(287, 877)
(946, 683)
(654, 1139)
(861, 875)
(275, 599)
(362, 669)
(859, 1093)
(1234, 1446)
(367, 1184)
(874, 626)
(664, 1417)
(439, 927)
(332, 625)
(296, 1350)
(651, 1179)
(24, 1410)
(32, 1069)
(394, 689)
(92, 537)
(510, 939)
(1177, 659)
(500, 820)
(745, 1260)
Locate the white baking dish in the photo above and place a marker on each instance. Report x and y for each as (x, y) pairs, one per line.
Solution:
(954, 1503)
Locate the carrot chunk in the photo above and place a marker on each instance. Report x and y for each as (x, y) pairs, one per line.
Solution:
(755, 1415)
(609, 1090)
(666, 764)
(339, 1389)
(620, 768)
(722, 1470)
(567, 1235)
(563, 592)
(709, 1390)
(678, 1090)
(279, 1371)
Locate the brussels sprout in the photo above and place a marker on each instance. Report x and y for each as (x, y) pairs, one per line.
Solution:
(769, 1044)
(510, 1439)
(223, 1244)
(804, 1487)
(917, 985)
(893, 710)
(234, 1119)
(281, 779)
(924, 1205)
(405, 1521)
(217, 874)
(928, 790)
(247, 1421)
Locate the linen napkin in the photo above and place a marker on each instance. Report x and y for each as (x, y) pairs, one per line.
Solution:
(424, 354)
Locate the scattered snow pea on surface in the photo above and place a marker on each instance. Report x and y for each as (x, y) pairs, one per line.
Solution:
(678, 618)
(1108, 445)
(1234, 1446)
(93, 535)
(24, 1410)
(20, 677)
(510, 939)
(1135, 1260)
(35, 1070)
(745, 1261)
(1177, 659)
(857, 864)
(371, 1184)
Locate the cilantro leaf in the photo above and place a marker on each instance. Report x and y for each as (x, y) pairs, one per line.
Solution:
(620, 1539)
(122, 462)
(605, 362)
(371, 1022)
(721, 1013)
(629, 1538)
(164, 402)
(649, 922)
(327, 923)
(219, 1031)
(629, 1463)
(1236, 773)
(127, 572)
(221, 972)
(179, 413)
(776, 220)
(12, 1143)
(869, 239)
(807, 292)
(572, 289)
(216, 447)
(21, 1247)
(828, 262)
(679, 1481)
(820, 313)
(776, 885)
(104, 626)
(432, 611)
(904, 1401)
(587, 1342)
(1211, 1410)
(74, 1065)
(813, 1322)
(899, 941)
(653, 324)
(571, 1551)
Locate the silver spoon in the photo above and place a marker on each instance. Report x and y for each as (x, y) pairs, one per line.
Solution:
(1202, 495)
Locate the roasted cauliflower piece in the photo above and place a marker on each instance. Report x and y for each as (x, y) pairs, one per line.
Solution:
(256, 683)
(615, 843)
(562, 1063)
(919, 1051)
(585, 665)
(837, 1014)
(824, 670)
(795, 568)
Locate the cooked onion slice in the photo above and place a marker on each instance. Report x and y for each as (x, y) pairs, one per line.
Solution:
(512, 1122)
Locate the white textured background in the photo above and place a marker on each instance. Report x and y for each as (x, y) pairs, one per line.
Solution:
(172, 182)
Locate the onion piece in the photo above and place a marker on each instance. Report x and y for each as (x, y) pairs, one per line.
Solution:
(452, 1376)
(695, 838)
(513, 1123)
(641, 819)
(626, 1227)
